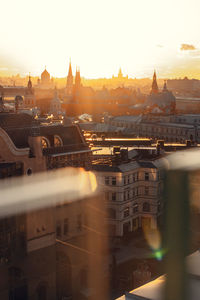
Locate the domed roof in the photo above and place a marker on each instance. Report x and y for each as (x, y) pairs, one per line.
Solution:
(45, 73)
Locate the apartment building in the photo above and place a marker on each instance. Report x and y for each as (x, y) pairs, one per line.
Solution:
(132, 192)
(35, 261)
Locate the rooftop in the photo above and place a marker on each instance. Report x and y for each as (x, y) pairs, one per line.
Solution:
(107, 166)
(154, 290)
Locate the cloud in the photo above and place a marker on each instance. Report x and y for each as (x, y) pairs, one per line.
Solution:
(185, 47)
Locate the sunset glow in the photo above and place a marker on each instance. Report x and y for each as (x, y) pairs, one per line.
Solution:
(100, 36)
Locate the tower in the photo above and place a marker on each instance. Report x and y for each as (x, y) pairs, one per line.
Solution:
(120, 75)
(69, 84)
(154, 89)
(29, 86)
(77, 79)
(165, 87)
(55, 106)
(70, 76)
(45, 79)
(29, 99)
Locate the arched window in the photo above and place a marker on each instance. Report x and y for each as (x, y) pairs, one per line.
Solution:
(146, 207)
(57, 141)
(126, 212)
(45, 142)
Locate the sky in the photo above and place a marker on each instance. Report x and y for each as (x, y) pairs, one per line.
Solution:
(100, 36)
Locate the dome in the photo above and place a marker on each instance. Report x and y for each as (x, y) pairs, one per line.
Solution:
(45, 75)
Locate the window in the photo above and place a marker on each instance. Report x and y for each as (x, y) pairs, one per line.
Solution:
(45, 142)
(126, 212)
(66, 226)
(124, 180)
(146, 190)
(136, 191)
(57, 141)
(146, 176)
(146, 207)
(107, 180)
(29, 172)
(137, 176)
(135, 208)
(113, 196)
(134, 177)
(126, 195)
(159, 189)
(113, 180)
(159, 206)
(58, 229)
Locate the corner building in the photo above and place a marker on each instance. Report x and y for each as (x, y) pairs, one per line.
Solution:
(132, 192)
(33, 262)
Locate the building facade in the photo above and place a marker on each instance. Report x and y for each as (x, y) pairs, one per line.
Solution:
(35, 261)
(132, 193)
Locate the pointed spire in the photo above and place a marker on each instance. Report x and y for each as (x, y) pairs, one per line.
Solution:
(29, 83)
(70, 68)
(120, 75)
(154, 89)
(69, 77)
(165, 86)
(77, 78)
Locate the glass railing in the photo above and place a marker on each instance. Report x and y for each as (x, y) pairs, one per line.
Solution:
(56, 241)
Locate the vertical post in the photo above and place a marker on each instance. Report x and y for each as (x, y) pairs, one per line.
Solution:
(176, 233)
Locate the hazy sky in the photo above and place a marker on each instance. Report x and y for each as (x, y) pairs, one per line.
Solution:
(100, 36)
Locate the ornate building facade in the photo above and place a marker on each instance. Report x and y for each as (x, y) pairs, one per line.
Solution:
(34, 262)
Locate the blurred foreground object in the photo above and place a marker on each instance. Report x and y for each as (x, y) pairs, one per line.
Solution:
(22, 194)
(181, 199)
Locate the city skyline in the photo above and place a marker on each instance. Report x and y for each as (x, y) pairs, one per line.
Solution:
(100, 37)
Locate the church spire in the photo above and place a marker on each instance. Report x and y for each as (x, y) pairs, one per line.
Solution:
(77, 78)
(29, 85)
(70, 69)
(165, 86)
(69, 84)
(154, 89)
(120, 75)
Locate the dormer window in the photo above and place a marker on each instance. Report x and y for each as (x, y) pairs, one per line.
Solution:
(57, 141)
(45, 142)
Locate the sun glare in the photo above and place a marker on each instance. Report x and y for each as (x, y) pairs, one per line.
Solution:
(99, 36)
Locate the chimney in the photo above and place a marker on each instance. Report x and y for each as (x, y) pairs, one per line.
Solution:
(188, 143)
(161, 143)
(124, 155)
